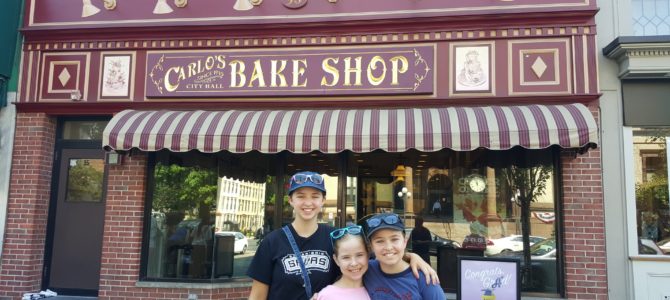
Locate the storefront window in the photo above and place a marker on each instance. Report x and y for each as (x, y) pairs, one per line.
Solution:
(211, 211)
(208, 215)
(470, 200)
(650, 154)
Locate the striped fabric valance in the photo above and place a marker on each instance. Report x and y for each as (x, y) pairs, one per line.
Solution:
(358, 130)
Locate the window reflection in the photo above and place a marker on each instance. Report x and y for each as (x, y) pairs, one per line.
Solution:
(469, 202)
(211, 211)
(83, 130)
(650, 154)
(84, 181)
(208, 215)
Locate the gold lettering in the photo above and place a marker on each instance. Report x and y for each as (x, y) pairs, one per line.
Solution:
(276, 73)
(222, 61)
(209, 63)
(330, 69)
(234, 73)
(169, 86)
(373, 66)
(348, 70)
(299, 66)
(257, 74)
(192, 69)
(396, 69)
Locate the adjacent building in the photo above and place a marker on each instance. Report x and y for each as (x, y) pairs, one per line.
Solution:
(10, 45)
(634, 70)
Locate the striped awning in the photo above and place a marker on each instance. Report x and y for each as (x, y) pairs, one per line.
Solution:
(358, 130)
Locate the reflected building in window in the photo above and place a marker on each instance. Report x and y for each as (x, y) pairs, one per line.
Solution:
(240, 205)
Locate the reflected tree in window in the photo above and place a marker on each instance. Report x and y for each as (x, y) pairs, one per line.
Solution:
(84, 182)
(527, 184)
(179, 188)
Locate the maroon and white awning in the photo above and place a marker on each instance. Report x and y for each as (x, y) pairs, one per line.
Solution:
(358, 130)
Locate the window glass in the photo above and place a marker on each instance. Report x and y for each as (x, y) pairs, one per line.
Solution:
(650, 154)
(208, 215)
(83, 130)
(469, 201)
(84, 180)
(651, 17)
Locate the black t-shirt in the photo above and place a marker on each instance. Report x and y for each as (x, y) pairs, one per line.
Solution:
(275, 264)
(420, 234)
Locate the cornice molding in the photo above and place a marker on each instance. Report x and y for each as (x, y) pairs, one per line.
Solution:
(312, 39)
(640, 50)
(641, 57)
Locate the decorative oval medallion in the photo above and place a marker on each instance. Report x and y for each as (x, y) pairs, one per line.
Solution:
(294, 3)
(181, 3)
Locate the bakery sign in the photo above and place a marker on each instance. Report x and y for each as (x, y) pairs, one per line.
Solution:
(336, 71)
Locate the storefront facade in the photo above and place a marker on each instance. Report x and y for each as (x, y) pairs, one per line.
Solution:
(140, 124)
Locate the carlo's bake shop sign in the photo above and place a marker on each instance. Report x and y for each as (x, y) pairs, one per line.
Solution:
(292, 72)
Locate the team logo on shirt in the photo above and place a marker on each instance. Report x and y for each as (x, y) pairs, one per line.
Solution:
(314, 260)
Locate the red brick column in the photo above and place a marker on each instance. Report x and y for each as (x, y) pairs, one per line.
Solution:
(122, 242)
(122, 237)
(584, 217)
(28, 205)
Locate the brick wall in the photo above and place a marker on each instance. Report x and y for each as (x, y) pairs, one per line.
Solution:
(28, 205)
(122, 241)
(584, 217)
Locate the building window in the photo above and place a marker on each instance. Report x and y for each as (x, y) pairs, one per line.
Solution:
(200, 229)
(651, 17)
(85, 180)
(210, 211)
(470, 201)
(650, 156)
(83, 130)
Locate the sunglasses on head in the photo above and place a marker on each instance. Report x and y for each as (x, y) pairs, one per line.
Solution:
(339, 233)
(302, 178)
(374, 222)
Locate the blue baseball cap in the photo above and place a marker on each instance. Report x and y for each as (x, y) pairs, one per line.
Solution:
(383, 221)
(306, 179)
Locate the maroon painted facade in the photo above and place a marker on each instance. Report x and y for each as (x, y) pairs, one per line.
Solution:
(535, 51)
(69, 13)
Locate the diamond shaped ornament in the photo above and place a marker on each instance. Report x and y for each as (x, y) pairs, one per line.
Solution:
(64, 77)
(539, 67)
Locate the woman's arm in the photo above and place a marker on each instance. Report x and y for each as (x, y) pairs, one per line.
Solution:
(259, 290)
(416, 263)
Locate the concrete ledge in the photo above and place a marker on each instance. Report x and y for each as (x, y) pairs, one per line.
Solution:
(192, 285)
